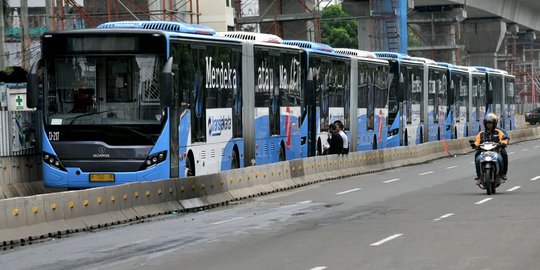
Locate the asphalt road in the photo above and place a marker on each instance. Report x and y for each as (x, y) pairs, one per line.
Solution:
(429, 216)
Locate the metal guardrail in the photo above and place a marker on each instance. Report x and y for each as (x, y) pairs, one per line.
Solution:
(28, 218)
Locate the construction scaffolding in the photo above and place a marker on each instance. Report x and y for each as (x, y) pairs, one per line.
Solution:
(289, 19)
(435, 33)
(66, 13)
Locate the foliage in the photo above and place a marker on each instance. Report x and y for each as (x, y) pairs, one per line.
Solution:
(338, 28)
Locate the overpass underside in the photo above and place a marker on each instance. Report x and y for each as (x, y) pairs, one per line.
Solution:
(496, 33)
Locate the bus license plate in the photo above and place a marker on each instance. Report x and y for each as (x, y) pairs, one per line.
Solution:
(102, 177)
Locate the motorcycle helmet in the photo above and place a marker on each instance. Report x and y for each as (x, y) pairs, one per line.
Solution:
(491, 118)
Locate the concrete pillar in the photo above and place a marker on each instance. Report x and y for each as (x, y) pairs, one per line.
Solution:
(360, 9)
(483, 38)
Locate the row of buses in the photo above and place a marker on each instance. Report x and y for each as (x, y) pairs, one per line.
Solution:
(145, 100)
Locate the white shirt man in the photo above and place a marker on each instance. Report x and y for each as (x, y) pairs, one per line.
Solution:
(339, 127)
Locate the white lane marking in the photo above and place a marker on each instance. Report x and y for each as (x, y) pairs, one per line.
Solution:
(426, 173)
(535, 178)
(484, 200)
(525, 149)
(511, 153)
(390, 238)
(472, 162)
(444, 216)
(451, 167)
(348, 191)
(228, 220)
(536, 146)
(319, 268)
(391, 180)
(514, 188)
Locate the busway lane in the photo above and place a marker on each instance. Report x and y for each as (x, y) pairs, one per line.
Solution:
(402, 233)
(300, 229)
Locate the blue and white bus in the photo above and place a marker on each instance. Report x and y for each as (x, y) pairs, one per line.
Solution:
(330, 99)
(405, 108)
(511, 102)
(434, 106)
(276, 74)
(478, 99)
(115, 113)
(500, 96)
(369, 100)
(458, 101)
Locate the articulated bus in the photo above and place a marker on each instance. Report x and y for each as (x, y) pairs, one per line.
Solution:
(369, 100)
(114, 112)
(501, 97)
(146, 100)
(330, 99)
(477, 100)
(511, 99)
(275, 72)
(458, 118)
(405, 110)
(435, 100)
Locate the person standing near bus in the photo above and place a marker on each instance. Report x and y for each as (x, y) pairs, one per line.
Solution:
(339, 128)
(335, 141)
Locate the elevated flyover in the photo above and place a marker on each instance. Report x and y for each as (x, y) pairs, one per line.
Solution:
(481, 25)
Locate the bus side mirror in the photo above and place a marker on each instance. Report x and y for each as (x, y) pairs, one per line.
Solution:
(32, 85)
(166, 84)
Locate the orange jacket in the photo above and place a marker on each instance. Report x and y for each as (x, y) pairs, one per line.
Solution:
(496, 136)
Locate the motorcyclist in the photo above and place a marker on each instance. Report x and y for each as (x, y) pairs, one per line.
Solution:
(491, 134)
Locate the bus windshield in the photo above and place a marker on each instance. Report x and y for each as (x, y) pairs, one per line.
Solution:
(103, 90)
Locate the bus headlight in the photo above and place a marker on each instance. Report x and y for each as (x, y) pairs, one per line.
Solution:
(53, 161)
(154, 159)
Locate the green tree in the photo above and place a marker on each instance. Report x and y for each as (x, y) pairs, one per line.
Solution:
(338, 28)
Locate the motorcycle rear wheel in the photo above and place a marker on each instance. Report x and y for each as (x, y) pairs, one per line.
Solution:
(488, 183)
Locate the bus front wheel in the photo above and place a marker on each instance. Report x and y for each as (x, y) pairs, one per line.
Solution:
(190, 165)
(235, 161)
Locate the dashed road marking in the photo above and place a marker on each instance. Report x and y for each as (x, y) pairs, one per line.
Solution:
(472, 162)
(451, 167)
(390, 238)
(444, 216)
(536, 146)
(348, 191)
(426, 173)
(319, 268)
(483, 201)
(525, 149)
(227, 220)
(535, 178)
(511, 153)
(391, 180)
(514, 188)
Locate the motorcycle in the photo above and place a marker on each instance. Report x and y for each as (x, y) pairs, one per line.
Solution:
(489, 166)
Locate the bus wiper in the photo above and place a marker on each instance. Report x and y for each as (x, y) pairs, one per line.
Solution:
(83, 115)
